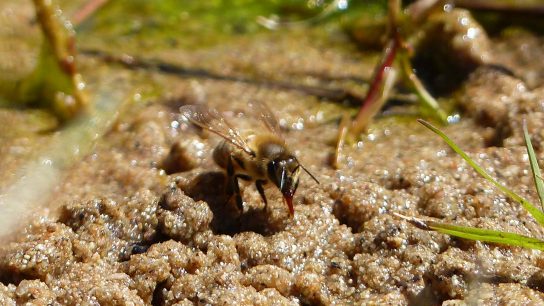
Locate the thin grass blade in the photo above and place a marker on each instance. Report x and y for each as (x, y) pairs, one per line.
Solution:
(535, 169)
(534, 211)
(478, 234)
(486, 235)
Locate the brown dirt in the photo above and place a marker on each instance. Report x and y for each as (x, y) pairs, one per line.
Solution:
(133, 229)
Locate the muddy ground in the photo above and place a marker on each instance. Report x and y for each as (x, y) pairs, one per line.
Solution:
(143, 218)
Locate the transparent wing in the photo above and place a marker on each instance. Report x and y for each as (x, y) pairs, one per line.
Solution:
(212, 121)
(265, 114)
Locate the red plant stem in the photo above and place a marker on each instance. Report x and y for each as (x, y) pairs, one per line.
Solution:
(377, 79)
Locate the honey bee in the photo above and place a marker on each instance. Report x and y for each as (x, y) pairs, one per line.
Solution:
(260, 155)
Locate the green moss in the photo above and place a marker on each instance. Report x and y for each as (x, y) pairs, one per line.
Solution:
(194, 24)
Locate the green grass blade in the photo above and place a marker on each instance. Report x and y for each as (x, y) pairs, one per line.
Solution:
(486, 235)
(535, 212)
(477, 234)
(534, 165)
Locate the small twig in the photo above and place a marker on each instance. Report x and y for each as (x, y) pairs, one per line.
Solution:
(340, 141)
(419, 223)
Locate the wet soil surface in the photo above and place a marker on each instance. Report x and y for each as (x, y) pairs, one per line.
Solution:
(143, 218)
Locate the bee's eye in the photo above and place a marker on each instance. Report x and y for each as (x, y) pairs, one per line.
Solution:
(292, 164)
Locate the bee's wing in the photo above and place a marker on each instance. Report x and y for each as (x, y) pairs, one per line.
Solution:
(212, 121)
(265, 114)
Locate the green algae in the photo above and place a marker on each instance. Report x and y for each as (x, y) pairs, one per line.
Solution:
(186, 24)
(198, 24)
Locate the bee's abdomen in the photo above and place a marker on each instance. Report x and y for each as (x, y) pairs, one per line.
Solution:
(221, 154)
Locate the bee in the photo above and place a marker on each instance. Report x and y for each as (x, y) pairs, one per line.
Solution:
(259, 155)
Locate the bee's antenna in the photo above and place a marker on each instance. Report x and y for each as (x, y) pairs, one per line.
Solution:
(309, 173)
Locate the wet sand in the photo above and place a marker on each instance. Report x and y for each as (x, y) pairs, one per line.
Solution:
(134, 223)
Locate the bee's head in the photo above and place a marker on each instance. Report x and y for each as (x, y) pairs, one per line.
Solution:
(284, 173)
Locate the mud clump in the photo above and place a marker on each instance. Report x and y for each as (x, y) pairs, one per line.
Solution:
(46, 253)
(459, 45)
(180, 218)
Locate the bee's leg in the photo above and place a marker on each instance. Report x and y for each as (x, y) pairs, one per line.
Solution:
(244, 177)
(232, 185)
(237, 194)
(259, 184)
(230, 176)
